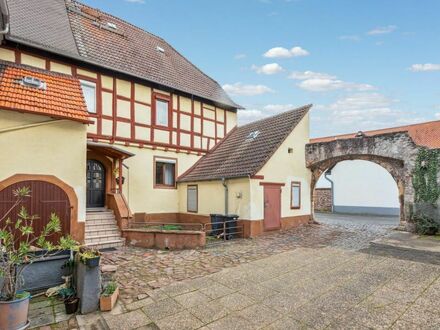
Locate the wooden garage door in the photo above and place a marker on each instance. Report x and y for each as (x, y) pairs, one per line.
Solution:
(45, 199)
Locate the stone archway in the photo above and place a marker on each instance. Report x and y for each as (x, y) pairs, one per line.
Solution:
(395, 152)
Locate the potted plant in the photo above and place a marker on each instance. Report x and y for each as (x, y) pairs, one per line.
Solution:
(71, 301)
(89, 257)
(109, 297)
(20, 247)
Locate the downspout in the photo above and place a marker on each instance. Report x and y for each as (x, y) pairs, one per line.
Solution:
(6, 29)
(128, 182)
(226, 195)
(4, 11)
(329, 172)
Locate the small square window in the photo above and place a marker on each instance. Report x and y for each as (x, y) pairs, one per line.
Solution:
(192, 198)
(162, 112)
(165, 173)
(89, 92)
(295, 195)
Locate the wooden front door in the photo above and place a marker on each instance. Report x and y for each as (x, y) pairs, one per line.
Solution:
(272, 207)
(45, 199)
(95, 184)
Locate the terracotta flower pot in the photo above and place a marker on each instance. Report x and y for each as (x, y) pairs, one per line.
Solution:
(14, 314)
(107, 303)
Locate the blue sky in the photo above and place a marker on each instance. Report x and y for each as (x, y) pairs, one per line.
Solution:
(363, 64)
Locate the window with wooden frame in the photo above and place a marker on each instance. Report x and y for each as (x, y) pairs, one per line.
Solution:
(89, 92)
(164, 173)
(192, 198)
(162, 110)
(295, 195)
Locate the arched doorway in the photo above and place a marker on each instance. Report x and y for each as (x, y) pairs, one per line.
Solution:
(45, 198)
(357, 191)
(95, 184)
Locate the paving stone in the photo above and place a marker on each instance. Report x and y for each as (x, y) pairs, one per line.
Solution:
(231, 322)
(259, 315)
(161, 309)
(139, 304)
(285, 323)
(235, 301)
(182, 321)
(210, 312)
(130, 320)
(257, 292)
(216, 290)
(191, 299)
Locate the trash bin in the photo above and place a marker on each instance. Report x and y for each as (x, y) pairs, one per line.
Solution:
(217, 221)
(231, 226)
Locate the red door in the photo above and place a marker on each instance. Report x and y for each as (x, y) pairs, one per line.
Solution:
(45, 198)
(272, 207)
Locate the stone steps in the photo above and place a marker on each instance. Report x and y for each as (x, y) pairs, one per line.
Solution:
(102, 231)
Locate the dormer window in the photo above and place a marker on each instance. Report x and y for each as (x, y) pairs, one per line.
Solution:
(89, 92)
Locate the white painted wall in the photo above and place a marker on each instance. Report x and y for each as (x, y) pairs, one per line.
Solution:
(360, 183)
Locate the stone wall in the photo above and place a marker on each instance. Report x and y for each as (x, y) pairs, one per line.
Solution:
(322, 199)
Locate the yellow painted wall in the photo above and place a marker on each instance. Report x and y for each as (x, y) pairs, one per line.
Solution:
(57, 149)
(138, 187)
(37, 62)
(7, 55)
(284, 167)
(211, 197)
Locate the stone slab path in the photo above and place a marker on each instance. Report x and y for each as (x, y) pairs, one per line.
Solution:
(318, 276)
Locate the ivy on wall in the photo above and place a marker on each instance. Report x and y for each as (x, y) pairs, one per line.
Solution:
(424, 178)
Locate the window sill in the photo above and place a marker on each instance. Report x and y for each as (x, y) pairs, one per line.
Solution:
(163, 186)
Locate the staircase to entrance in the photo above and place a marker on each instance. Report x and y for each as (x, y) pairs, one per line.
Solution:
(102, 230)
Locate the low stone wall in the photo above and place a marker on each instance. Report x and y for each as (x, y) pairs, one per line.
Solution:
(164, 239)
(322, 199)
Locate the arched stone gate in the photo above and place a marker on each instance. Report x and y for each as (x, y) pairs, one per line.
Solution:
(396, 152)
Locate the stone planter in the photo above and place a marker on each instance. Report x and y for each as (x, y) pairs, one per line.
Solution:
(107, 303)
(88, 287)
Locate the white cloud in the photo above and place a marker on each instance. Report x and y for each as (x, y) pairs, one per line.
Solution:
(323, 82)
(324, 85)
(247, 90)
(382, 30)
(425, 67)
(240, 56)
(437, 115)
(268, 69)
(281, 52)
(350, 38)
(298, 75)
(135, 1)
(253, 114)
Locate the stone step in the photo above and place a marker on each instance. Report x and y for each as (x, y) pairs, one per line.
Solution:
(102, 238)
(101, 222)
(100, 231)
(100, 215)
(107, 244)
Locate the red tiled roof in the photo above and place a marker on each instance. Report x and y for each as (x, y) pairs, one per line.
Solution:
(238, 155)
(62, 97)
(72, 29)
(423, 134)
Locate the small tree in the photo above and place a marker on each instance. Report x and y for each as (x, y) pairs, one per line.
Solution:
(18, 243)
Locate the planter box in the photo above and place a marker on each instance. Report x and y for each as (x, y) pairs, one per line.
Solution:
(107, 303)
(165, 239)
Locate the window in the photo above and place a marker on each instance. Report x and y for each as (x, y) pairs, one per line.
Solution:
(192, 199)
(89, 92)
(165, 173)
(162, 111)
(295, 195)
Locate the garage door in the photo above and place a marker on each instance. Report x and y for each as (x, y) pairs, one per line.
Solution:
(45, 199)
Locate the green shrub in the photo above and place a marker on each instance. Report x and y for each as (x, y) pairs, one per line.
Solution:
(109, 289)
(426, 225)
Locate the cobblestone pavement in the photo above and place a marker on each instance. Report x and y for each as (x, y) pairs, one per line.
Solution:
(312, 276)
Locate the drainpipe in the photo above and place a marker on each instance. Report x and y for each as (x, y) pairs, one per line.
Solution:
(332, 184)
(128, 182)
(4, 11)
(226, 196)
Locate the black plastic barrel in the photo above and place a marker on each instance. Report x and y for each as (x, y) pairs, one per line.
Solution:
(217, 221)
(231, 226)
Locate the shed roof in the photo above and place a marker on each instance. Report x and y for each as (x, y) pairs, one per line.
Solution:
(245, 150)
(72, 29)
(61, 98)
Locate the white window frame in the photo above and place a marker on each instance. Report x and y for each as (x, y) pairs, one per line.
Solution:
(157, 122)
(85, 83)
(193, 188)
(295, 184)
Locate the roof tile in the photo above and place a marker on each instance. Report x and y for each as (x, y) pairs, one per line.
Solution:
(62, 97)
(240, 155)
